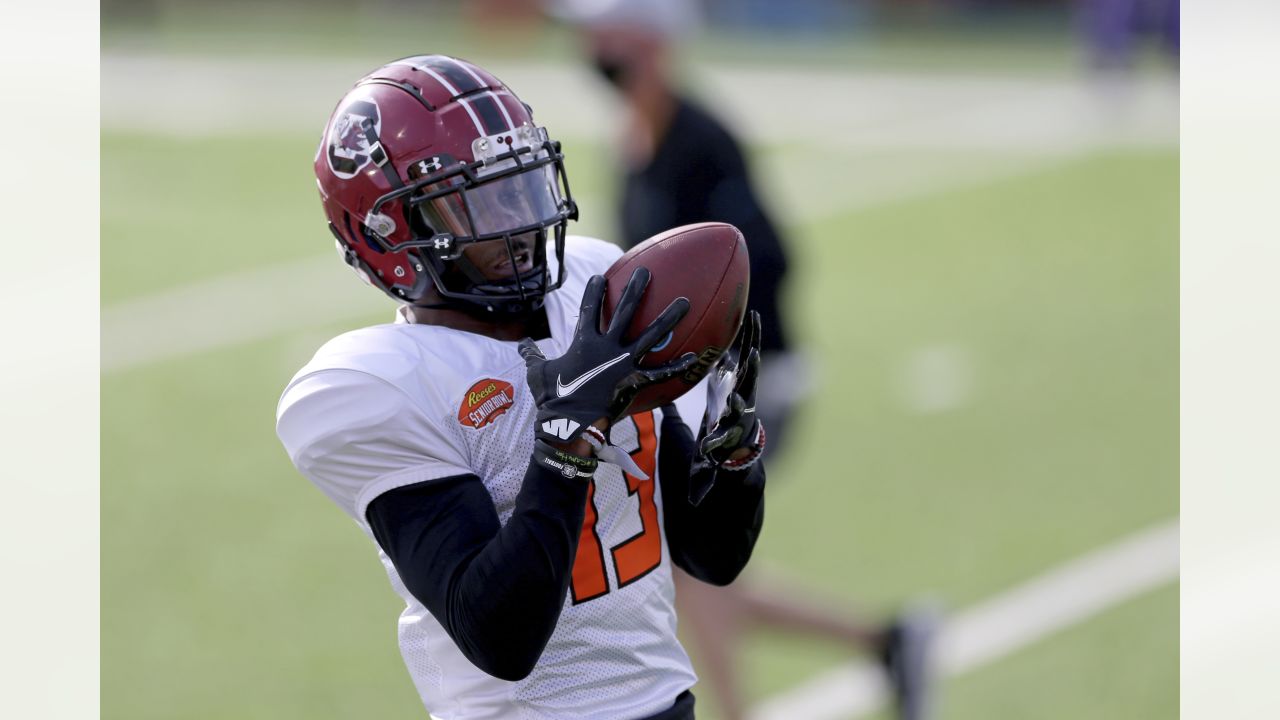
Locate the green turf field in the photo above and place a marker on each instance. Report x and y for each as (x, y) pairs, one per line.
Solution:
(231, 588)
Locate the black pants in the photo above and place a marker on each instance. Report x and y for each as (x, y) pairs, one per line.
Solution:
(681, 710)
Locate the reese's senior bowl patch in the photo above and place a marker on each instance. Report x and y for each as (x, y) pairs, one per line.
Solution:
(485, 402)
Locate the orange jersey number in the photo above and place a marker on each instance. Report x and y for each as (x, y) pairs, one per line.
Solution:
(638, 555)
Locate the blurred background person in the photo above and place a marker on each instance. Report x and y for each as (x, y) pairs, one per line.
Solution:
(680, 164)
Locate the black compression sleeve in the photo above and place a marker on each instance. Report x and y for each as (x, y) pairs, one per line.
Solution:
(713, 540)
(497, 589)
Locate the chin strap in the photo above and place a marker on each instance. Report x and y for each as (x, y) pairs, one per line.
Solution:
(378, 155)
(480, 306)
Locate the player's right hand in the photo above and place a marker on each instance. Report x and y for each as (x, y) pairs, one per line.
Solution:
(599, 375)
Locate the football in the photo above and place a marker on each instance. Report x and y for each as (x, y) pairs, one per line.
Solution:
(704, 262)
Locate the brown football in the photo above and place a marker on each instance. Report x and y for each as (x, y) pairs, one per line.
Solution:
(704, 262)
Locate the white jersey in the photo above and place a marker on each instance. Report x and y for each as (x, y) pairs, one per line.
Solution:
(392, 405)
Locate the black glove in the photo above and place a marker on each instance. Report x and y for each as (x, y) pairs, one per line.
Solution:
(599, 375)
(730, 423)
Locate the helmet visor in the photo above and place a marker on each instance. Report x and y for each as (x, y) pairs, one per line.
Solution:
(515, 202)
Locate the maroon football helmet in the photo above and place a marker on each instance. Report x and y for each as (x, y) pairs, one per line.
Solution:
(427, 155)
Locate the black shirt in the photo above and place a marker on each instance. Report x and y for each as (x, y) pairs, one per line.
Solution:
(698, 174)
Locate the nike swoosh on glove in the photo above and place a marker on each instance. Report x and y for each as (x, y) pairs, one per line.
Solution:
(599, 375)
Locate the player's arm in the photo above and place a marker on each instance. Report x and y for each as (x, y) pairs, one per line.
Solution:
(713, 488)
(498, 589)
(713, 539)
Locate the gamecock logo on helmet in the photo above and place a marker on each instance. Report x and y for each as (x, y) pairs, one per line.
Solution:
(348, 143)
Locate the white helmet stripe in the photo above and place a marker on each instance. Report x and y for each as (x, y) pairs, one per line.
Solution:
(506, 115)
(453, 91)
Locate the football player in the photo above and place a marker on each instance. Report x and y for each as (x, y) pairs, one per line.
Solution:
(483, 439)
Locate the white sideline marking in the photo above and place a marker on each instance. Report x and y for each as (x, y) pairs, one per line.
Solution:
(860, 109)
(232, 309)
(1062, 597)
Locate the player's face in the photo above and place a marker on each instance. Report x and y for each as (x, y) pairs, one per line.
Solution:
(492, 259)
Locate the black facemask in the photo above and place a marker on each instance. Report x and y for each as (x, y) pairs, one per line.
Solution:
(613, 70)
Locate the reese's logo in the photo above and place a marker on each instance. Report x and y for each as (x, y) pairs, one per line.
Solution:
(485, 402)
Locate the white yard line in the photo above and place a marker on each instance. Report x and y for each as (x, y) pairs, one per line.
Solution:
(233, 309)
(842, 108)
(1001, 625)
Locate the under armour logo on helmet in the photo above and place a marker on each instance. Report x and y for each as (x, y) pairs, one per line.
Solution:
(442, 243)
(426, 167)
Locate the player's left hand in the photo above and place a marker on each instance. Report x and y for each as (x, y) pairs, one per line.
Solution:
(732, 436)
(599, 375)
